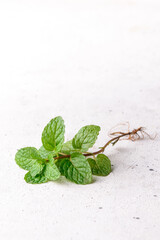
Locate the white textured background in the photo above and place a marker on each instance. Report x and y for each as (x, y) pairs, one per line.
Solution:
(92, 62)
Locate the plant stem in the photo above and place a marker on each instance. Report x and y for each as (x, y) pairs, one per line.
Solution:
(132, 136)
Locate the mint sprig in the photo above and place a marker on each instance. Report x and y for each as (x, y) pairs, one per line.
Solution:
(55, 158)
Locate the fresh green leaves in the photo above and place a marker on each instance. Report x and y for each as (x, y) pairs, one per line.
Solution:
(101, 166)
(40, 170)
(56, 158)
(53, 135)
(49, 173)
(86, 137)
(29, 159)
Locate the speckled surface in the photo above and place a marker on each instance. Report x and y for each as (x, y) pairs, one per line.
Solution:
(92, 62)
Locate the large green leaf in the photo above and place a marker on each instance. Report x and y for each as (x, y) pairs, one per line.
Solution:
(76, 169)
(101, 166)
(86, 137)
(29, 159)
(53, 135)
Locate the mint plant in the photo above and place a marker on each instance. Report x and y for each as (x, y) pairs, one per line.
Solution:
(70, 159)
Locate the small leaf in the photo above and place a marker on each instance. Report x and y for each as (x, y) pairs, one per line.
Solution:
(93, 165)
(29, 159)
(76, 169)
(86, 137)
(53, 135)
(113, 143)
(45, 153)
(40, 178)
(101, 166)
(51, 171)
(68, 148)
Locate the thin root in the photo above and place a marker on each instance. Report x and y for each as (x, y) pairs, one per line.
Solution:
(134, 135)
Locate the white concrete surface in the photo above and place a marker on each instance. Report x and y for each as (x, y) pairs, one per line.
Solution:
(90, 61)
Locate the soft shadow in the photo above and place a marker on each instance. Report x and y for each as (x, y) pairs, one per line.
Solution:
(63, 180)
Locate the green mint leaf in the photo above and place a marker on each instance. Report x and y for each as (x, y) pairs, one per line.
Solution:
(86, 137)
(76, 169)
(29, 159)
(45, 153)
(40, 178)
(51, 171)
(101, 166)
(53, 135)
(68, 148)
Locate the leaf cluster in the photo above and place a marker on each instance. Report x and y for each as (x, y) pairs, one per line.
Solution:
(55, 158)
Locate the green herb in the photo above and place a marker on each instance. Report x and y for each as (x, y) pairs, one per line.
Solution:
(55, 158)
